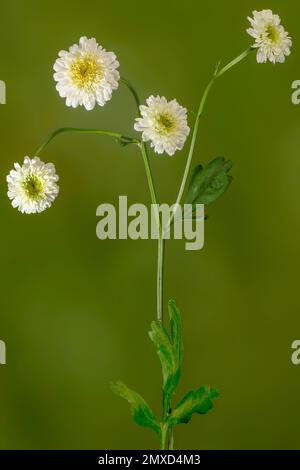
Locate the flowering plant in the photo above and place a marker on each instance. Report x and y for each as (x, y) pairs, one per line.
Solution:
(87, 76)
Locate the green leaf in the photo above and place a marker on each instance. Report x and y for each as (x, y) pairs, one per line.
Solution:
(140, 410)
(199, 401)
(164, 348)
(209, 183)
(195, 184)
(169, 349)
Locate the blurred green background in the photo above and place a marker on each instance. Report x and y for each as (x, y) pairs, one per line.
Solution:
(75, 311)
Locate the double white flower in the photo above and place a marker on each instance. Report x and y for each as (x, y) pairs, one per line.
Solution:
(164, 124)
(86, 74)
(32, 187)
(272, 42)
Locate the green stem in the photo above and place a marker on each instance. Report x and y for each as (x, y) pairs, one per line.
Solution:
(160, 276)
(148, 173)
(234, 62)
(62, 130)
(160, 251)
(164, 436)
(133, 92)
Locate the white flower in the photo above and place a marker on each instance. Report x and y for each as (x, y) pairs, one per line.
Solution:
(164, 124)
(87, 74)
(32, 187)
(271, 39)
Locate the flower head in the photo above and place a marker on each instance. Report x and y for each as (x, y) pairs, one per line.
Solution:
(32, 187)
(86, 74)
(271, 39)
(164, 124)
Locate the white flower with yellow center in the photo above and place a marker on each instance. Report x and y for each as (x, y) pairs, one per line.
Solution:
(271, 39)
(86, 74)
(164, 124)
(32, 187)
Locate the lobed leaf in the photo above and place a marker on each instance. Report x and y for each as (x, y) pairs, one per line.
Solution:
(209, 183)
(169, 349)
(164, 349)
(199, 401)
(140, 410)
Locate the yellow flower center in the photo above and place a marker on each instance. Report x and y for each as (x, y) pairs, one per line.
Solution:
(86, 71)
(33, 187)
(165, 123)
(273, 33)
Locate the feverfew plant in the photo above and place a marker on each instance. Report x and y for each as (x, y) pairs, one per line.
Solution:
(87, 75)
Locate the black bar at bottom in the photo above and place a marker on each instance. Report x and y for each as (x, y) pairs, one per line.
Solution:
(132, 459)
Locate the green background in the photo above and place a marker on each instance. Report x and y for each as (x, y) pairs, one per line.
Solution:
(75, 310)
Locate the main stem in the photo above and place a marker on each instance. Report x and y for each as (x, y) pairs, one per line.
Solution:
(160, 251)
(166, 433)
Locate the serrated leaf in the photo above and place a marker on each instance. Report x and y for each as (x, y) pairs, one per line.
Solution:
(209, 183)
(140, 410)
(199, 401)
